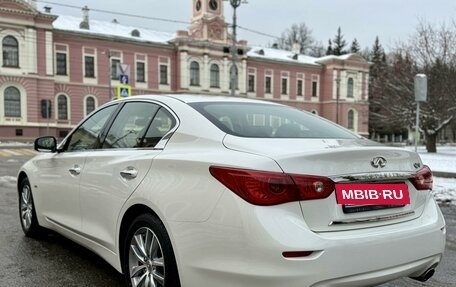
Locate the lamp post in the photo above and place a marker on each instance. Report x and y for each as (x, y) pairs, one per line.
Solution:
(233, 78)
(337, 98)
(108, 54)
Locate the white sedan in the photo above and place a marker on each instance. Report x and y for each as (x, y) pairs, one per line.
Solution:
(182, 190)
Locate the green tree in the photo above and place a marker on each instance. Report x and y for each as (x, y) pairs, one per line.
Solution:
(339, 44)
(355, 47)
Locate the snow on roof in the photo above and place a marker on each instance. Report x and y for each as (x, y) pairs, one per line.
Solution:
(104, 28)
(281, 55)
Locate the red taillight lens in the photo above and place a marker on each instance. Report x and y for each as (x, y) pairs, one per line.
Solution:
(423, 179)
(271, 188)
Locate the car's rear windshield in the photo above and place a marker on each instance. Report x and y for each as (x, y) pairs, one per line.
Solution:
(257, 120)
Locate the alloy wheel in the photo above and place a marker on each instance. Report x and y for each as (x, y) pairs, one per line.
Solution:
(26, 207)
(146, 261)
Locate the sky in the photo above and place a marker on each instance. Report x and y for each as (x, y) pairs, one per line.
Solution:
(391, 20)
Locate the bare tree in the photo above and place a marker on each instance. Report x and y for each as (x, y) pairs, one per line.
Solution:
(297, 33)
(432, 51)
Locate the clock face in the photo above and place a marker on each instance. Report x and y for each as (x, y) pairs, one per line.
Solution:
(198, 5)
(213, 5)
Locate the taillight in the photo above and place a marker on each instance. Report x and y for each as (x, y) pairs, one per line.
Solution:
(423, 179)
(271, 188)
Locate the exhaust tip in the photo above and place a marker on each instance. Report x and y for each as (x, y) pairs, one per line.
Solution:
(425, 276)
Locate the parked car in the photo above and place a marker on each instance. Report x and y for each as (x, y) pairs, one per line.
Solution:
(183, 190)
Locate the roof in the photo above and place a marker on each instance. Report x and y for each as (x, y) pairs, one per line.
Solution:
(104, 28)
(281, 55)
(195, 98)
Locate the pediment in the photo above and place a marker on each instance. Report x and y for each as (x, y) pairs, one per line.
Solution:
(17, 6)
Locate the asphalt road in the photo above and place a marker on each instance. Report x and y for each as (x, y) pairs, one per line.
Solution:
(56, 261)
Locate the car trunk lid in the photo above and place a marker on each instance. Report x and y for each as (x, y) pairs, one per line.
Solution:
(346, 160)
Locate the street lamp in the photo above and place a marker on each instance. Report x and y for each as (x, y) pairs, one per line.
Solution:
(108, 54)
(233, 79)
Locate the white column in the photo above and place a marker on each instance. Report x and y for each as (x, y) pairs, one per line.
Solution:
(49, 54)
(243, 78)
(225, 75)
(205, 73)
(184, 70)
(31, 51)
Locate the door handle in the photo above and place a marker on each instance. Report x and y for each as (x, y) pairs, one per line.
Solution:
(75, 170)
(129, 173)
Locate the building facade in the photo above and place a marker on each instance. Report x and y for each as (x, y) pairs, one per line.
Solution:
(56, 69)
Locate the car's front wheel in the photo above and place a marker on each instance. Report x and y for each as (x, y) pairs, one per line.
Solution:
(148, 257)
(27, 212)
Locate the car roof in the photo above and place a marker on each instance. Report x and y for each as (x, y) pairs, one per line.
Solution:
(190, 98)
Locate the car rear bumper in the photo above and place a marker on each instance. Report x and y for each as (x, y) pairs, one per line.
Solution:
(241, 246)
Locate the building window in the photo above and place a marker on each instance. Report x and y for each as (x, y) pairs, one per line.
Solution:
(140, 72)
(90, 105)
(314, 89)
(89, 66)
(236, 76)
(251, 83)
(10, 52)
(215, 76)
(61, 64)
(351, 120)
(12, 100)
(268, 85)
(114, 64)
(284, 86)
(62, 107)
(163, 74)
(350, 88)
(299, 88)
(194, 74)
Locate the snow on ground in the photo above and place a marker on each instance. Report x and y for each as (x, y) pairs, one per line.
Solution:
(444, 160)
(445, 190)
(11, 144)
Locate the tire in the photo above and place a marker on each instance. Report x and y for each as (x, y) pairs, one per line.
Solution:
(153, 265)
(27, 211)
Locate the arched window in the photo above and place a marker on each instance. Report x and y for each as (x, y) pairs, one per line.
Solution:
(350, 88)
(62, 107)
(351, 120)
(194, 74)
(10, 52)
(90, 105)
(215, 76)
(237, 76)
(12, 98)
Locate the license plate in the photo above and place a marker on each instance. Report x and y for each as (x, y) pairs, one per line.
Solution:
(392, 194)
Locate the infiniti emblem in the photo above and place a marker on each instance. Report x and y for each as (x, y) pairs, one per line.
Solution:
(378, 162)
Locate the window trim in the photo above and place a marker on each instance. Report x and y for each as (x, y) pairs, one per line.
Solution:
(160, 65)
(17, 52)
(56, 103)
(85, 104)
(350, 88)
(4, 102)
(195, 72)
(211, 78)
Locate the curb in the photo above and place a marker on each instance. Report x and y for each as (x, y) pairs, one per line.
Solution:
(444, 174)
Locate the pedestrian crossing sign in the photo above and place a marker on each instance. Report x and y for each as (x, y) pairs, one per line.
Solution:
(123, 91)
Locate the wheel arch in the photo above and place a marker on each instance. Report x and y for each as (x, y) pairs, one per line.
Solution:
(20, 177)
(128, 217)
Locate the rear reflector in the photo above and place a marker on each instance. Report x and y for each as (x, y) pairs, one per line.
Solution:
(423, 179)
(271, 188)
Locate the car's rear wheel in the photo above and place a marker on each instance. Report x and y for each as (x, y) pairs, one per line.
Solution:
(148, 257)
(27, 212)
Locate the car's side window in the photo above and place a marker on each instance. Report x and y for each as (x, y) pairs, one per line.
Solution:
(162, 123)
(130, 125)
(86, 135)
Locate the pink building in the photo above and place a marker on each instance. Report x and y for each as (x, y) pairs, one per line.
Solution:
(55, 70)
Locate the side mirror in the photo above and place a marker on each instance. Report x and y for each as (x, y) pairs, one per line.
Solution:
(46, 144)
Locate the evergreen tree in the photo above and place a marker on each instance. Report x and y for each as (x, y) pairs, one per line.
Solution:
(329, 50)
(355, 47)
(339, 44)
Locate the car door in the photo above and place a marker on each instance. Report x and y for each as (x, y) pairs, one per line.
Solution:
(112, 173)
(59, 176)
